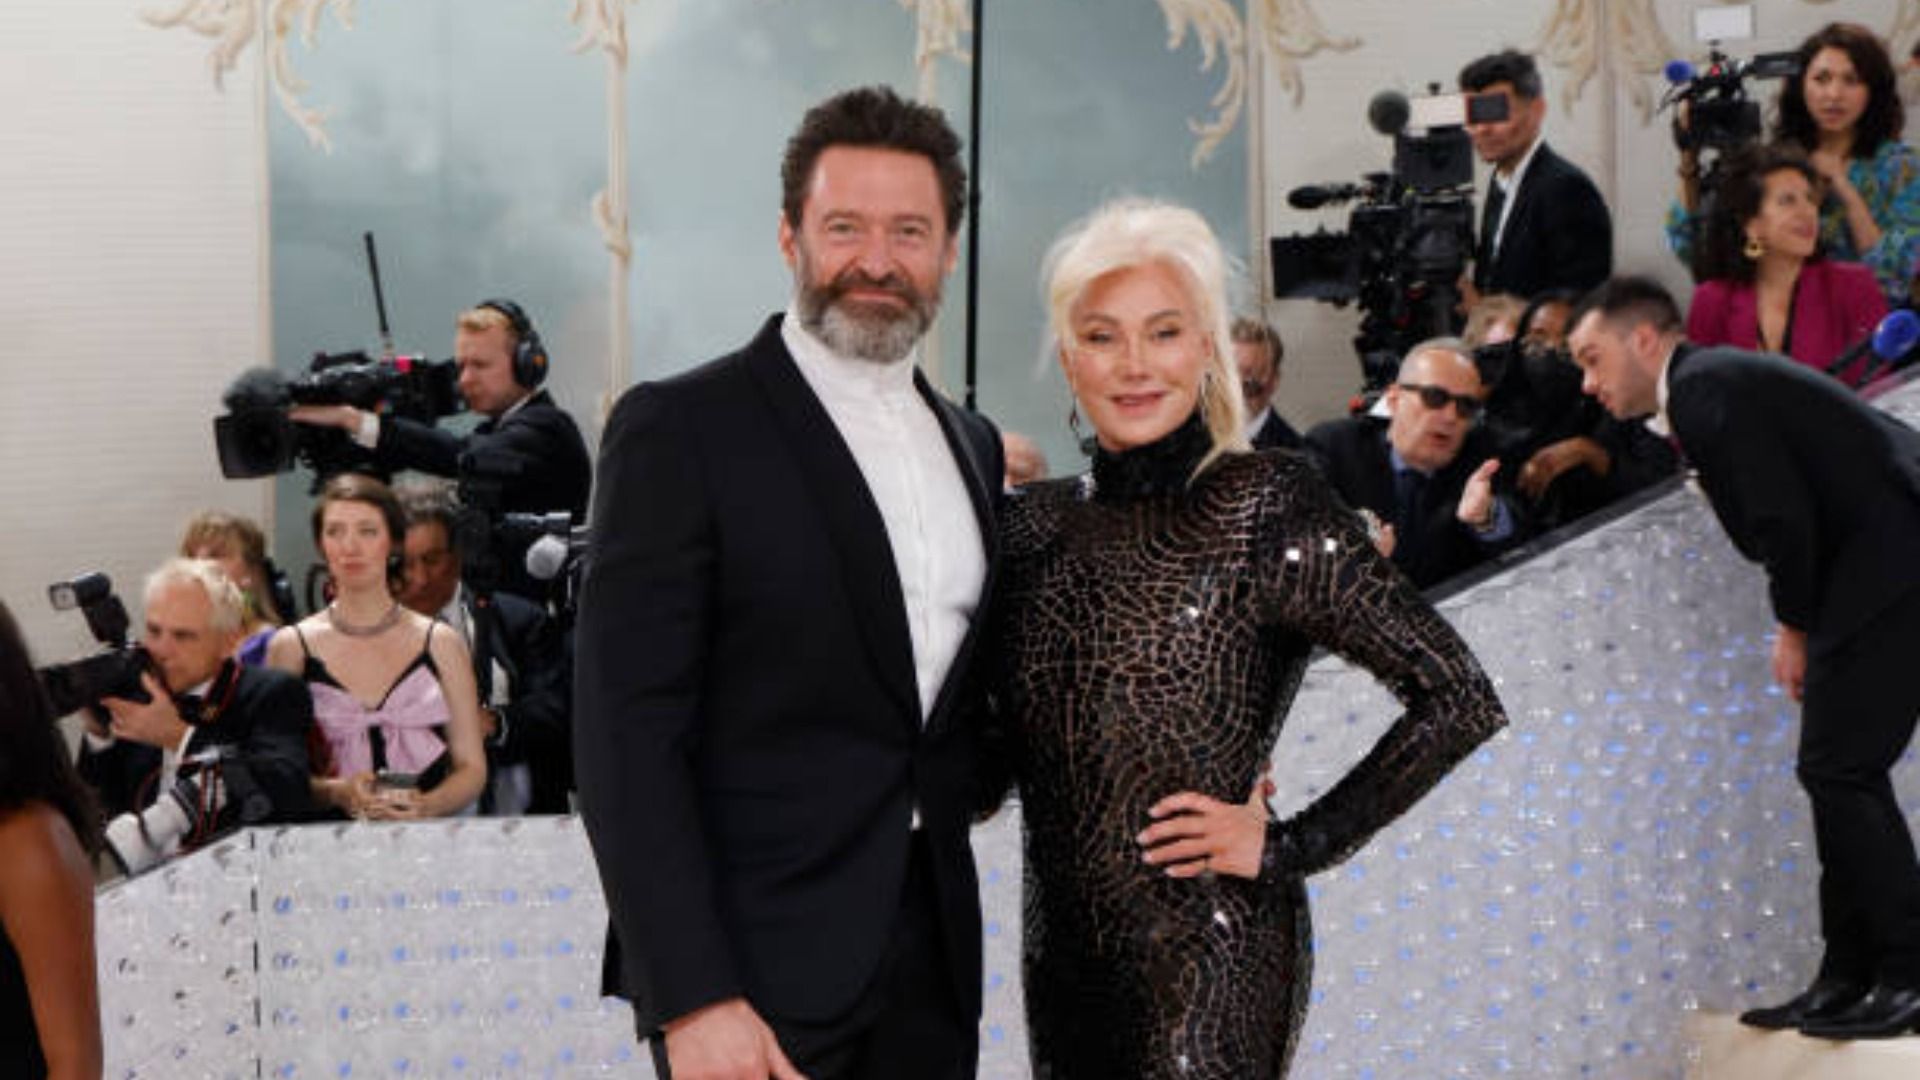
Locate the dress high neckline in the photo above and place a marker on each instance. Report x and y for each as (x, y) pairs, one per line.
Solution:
(1162, 467)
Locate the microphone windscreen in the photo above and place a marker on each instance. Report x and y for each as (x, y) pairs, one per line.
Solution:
(546, 556)
(1388, 112)
(1896, 334)
(1678, 71)
(257, 388)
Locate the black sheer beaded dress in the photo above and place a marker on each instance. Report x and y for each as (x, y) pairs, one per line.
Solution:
(1154, 633)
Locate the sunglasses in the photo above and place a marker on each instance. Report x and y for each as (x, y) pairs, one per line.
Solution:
(1435, 397)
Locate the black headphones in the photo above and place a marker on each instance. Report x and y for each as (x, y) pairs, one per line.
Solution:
(529, 353)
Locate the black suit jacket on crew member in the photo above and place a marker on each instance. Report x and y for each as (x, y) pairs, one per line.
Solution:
(537, 725)
(537, 445)
(1352, 454)
(266, 723)
(1812, 483)
(1559, 235)
(748, 738)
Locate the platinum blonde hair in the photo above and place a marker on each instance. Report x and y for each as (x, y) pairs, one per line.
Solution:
(228, 612)
(1128, 233)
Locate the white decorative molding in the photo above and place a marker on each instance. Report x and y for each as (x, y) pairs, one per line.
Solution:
(1291, 32)
(603, 26)
(1218, 31)
(938, 25)
(234, 23)
(1622, 35)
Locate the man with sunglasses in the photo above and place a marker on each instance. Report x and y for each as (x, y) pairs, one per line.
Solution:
(1428, 474)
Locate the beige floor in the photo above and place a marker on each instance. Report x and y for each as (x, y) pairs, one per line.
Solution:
(1721, 1048)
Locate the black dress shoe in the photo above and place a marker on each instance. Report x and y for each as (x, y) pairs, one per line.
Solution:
(1826, 997)
(1886, 1012)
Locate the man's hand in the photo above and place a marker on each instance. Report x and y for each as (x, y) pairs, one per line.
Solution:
(1546, 465)
(726, 1041)
(156, 723)
(344, 417)
(1476, 500)
(1790, 660)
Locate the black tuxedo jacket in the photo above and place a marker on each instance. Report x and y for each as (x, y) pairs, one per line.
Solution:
(1276, 434)
(748, 738)
(1559, 236)
(1817, 486)
(1352, 453)
(537, 728)
(537, 446)
(266, 722)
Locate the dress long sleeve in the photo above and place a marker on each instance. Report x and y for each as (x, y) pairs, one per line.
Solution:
(1320, 576)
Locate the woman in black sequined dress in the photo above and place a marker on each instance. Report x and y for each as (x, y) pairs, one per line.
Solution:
(1156, 616)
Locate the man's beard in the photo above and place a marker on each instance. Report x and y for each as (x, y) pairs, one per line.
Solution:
(877, 332)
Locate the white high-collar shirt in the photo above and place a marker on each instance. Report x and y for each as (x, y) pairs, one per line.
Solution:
(1510, 188)
(913, 477)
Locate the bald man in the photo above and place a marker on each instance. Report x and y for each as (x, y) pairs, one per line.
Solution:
(1428, 473)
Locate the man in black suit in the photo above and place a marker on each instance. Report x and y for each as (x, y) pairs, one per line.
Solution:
(1543, 225)
(1824, 492)
(526, 456)
(523, 669)
(155, 763)
(1427, 476)
(791, 552)
(1257, 352)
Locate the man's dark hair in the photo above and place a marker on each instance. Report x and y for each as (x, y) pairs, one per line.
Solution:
(1884, 118)
(34, 766)
(1631, 299)
(1739, 196)
(1507, 66)
(431, 503)
(1248, 331)
(874, 116)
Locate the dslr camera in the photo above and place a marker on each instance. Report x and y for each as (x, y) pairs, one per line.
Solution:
(256, 437)
(1409, 236)
(115, 670)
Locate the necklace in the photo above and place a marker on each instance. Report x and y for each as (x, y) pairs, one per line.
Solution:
(371, 629)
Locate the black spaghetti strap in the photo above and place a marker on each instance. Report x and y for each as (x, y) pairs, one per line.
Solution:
(304, 651)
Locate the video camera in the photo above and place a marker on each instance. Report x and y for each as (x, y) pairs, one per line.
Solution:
(256, 438)
(113, 672)
(1409, 239)
(1720, 116)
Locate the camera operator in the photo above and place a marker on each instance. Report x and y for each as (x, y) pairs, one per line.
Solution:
(1543, 225)
(502, 364)
(216, 745)
(49, 996)
(521, 664)
(1843, 110)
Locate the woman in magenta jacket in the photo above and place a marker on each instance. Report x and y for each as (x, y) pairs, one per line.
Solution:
(1773, 292)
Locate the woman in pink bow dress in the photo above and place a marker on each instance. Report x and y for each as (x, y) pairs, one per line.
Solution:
(393, 692)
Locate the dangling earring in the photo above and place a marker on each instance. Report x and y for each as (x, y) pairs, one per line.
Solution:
(1073, 419)
(1754, 248)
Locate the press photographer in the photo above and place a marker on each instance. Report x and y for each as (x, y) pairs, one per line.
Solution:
(1408, 239)
(213, 745)
(1840, 105)
(1543, 225)
(534, 450)
(523, 670)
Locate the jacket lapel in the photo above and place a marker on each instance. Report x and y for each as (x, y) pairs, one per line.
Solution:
(852, 518)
